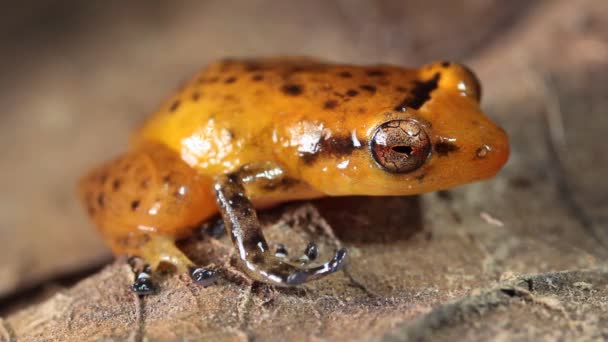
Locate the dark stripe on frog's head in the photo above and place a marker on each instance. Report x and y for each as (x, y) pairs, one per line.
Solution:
(336, 146)
(443, 148)
(420, 93)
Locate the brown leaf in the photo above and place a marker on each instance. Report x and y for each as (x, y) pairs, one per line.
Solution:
(426, 267)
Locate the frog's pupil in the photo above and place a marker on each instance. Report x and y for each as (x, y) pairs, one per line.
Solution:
(402, 149)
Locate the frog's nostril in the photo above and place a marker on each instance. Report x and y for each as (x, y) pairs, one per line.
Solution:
(494, 155)
(483, 151)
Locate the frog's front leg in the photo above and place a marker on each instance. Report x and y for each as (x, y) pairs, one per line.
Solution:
(254, 255)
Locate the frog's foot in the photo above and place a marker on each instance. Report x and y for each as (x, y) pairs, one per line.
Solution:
(143, 283)
(289, 270)
(269, 268)
(255, 257)
(157, 250)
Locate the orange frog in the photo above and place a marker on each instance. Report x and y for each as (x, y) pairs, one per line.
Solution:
(253, 133)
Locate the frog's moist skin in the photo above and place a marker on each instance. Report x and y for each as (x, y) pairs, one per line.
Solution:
(246, 133)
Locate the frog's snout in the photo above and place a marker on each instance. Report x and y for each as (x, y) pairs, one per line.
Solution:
(493, 155)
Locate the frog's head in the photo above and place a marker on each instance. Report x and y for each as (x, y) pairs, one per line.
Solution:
(436, 138)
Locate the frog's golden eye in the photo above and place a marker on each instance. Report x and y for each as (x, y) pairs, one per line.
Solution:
(400, 146)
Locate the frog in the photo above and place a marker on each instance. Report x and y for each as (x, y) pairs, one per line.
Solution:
(250, 133)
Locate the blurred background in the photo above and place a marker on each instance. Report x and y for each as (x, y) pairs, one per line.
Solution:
(78, 76)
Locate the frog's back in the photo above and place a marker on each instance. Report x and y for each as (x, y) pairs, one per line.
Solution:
(238, 111)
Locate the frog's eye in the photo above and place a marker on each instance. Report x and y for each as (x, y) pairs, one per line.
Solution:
(400, 146)
(470, 85)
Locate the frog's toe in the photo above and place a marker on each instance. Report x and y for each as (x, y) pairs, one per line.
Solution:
(311, 252)
(281, 251)
(203, 276)
(307, 274)
(143, 284)
(280, 272)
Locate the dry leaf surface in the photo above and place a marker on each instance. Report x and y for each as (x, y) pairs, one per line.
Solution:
(522, 256)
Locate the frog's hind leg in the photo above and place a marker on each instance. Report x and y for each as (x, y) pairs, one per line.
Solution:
(254, 255)
(146, 199)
